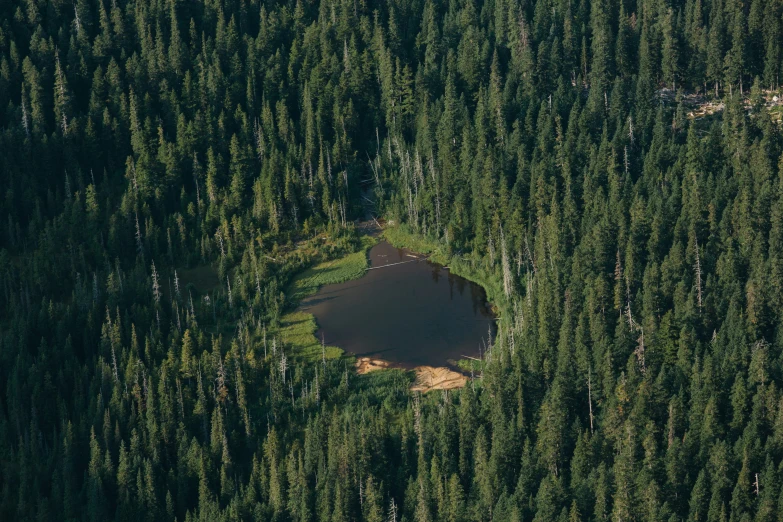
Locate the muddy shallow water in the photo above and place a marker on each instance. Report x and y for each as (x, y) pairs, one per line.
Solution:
(405, 310)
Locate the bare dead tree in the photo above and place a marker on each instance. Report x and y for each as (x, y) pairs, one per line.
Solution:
(192, 309)
(219, 236)
(625, 158)
(155, 284)
(25, 123)
(392, 511)
(317, 388)
(636, 327)
(76, 20)
(283, 365)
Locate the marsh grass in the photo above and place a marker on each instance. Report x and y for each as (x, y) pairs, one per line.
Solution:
(330, 272)
(297, 329)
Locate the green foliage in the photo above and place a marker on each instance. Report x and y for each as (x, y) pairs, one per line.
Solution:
(609, 171)
(331, 272)
(298, 329)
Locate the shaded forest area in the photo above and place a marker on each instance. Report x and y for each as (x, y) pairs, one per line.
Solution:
(636, 256)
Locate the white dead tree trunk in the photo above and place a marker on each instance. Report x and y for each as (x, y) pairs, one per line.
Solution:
(283, 365)
(76, 20)
(625, 159)
(219, 236)
(636, 327)
(392, 511)
(155, 284)
(25, 123)
(192, 308)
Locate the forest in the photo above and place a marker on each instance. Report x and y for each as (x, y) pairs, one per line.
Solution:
(613, 168)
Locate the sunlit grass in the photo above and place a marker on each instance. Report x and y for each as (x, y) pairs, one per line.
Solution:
(331, 272)
(297, 329)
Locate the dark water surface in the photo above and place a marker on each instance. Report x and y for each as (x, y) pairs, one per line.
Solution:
(411, 313)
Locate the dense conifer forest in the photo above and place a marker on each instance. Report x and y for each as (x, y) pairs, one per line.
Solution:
(612, 166)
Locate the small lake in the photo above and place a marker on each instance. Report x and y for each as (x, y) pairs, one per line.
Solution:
(405, 310)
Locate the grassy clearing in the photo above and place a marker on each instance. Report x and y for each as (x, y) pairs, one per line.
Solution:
(297, 329)
(331, 272)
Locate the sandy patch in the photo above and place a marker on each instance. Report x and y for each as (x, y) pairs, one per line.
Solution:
(430, 378)
(427, 377)
(367, 365)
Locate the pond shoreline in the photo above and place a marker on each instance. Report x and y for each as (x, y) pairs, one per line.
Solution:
(448, 375)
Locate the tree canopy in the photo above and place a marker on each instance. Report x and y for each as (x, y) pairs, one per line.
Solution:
(613, 167)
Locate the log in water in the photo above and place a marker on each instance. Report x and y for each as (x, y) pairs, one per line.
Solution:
(412, 312)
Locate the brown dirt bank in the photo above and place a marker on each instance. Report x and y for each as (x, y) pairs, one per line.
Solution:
(427, 377)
